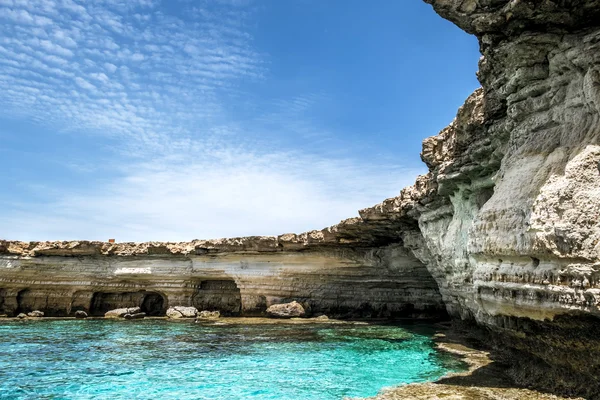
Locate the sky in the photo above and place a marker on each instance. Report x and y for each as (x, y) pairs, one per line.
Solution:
(176, 120)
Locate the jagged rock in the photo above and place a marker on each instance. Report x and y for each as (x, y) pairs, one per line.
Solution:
(35, 314)
(22, 316)
(182, 312)
(286, 310)
(120, 312)
(139, 315)
(209, 314)
(80, 314)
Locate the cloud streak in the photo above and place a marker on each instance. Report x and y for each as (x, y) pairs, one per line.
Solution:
(164, 83)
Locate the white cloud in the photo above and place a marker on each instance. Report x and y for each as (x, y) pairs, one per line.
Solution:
(233, 195)
(210, 172)
(110, 67)
(137, 57)
(82, 83)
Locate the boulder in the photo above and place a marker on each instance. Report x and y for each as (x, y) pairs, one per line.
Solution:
(80, 314)
(209, 314)
(35, 314)
(120, 312)
(286, 310)
(140, 315)
(182, 312)
(322, 318)
(21, 316)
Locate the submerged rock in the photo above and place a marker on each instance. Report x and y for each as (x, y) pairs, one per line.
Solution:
(35, 314)
(80, 314)
(120, 312)
(209, 314)
(286, 310)
(140, 315)
(182, 312)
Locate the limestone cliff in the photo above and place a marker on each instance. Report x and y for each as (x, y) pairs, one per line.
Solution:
(235, 276)
(504, 228)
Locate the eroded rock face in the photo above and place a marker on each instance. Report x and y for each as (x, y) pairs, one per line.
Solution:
(341, 281)
(209, 314)
(182, 312)
(121, 312)
(35, 314)
(511, 232)
(286, 310)
(140, 315)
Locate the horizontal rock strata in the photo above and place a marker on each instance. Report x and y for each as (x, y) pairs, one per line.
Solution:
(235, 277)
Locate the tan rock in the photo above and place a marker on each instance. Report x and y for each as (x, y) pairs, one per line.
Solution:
(209, 314)
(286, 310)
(182, 312)
(121, 312)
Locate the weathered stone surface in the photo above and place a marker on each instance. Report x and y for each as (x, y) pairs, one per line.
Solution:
(286, 310)
(121, 312)
(140, 315)
(209, 314)
(80, 314)
(35, 314)
(351, 281)
(182, 312)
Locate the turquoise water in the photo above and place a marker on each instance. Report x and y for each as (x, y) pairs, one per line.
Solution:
(156, 359)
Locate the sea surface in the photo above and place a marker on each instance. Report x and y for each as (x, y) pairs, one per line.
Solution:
(158, 359)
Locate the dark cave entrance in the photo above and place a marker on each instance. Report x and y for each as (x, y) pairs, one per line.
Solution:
(152, 303)
(27, 301)
(218, 295)
(2, 301)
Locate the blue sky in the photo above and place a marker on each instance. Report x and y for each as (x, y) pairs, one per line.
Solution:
(182, 119)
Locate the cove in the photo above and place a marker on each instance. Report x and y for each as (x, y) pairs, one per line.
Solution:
(102, 359)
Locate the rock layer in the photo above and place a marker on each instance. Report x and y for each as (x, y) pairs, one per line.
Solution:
(235, 277)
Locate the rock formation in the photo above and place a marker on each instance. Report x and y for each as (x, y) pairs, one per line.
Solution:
(504, 228)
(122, 312)
(286, 310)
(182, 312)
(234, 276)
(208, 315)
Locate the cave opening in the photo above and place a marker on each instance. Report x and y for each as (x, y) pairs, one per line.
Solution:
(27, 301)
(2, 301)
(152, 303)
(218, 295)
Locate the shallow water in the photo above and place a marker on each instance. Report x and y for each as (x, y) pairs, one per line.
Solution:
(99, 359)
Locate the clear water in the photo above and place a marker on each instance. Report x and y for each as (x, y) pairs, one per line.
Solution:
(156, 359)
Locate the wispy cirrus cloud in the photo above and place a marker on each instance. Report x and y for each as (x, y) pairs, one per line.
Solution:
(163, 80)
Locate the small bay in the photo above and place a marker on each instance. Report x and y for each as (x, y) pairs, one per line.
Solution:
(150, 359)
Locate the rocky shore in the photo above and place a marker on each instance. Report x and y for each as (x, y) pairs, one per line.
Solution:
(503, 232)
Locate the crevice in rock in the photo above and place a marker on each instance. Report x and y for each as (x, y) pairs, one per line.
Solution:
(3, 301)
(152, 303)
(218, 295)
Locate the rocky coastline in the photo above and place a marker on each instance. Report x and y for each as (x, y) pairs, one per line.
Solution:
(502, 233)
